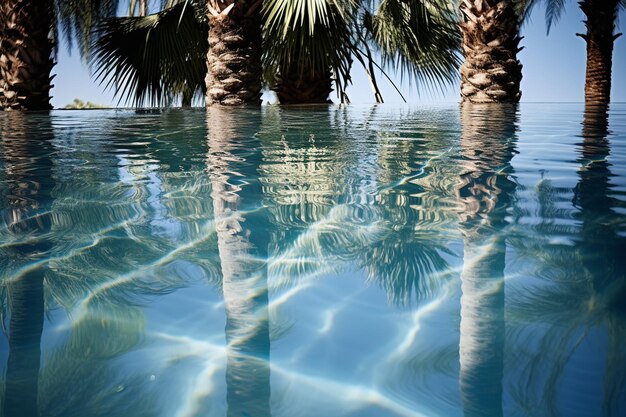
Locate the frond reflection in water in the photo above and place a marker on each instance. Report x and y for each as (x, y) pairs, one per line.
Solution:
(583, 307)
(334, 210)
(243, 254)
(347, 224)
(80, 377)
(99, 262)
(488, 137)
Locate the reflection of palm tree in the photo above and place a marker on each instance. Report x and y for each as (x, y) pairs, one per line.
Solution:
(328, 209)
(29, 168)
(592, 197)
(407, 263)
(487, 144)
(83, 275)
(301, 173)
(244, 270)
(79, 377)
(595, 293)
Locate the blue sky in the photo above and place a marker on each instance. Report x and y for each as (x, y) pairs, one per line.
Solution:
(554, 69)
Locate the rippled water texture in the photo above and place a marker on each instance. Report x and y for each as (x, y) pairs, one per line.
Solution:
(296, 262)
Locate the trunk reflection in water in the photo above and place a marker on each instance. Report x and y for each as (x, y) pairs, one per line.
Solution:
(243, 256)
(30, 183)
(578, 313)
(157, 241)
(488, 135)
(603, 248)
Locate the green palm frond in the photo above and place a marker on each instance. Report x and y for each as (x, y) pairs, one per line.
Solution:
(152, 59)
(554, 10)
(419, 38)
(308, 35)
(77, 19)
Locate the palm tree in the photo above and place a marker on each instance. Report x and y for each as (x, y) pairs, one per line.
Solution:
(234, 57)
(160, 57)
(600, 37)
(153, 59)
(491, 72)
(27, 47)
(601, 17)
(488, 144)
(25, 54)
(307, 44)
(304, 46)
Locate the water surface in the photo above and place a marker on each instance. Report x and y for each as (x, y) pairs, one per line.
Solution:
(332, 261)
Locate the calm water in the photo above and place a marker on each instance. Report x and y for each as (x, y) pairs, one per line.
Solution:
(352, 261)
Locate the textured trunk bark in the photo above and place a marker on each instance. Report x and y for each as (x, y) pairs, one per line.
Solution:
(234, 57)
(488, 145)
(186, 99)
(244, 271)
(491, 71)
(601, 16)
(25, 54)
(304, 87)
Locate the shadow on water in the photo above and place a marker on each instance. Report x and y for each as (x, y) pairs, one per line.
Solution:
(485, 193)
(28, 164)
(243, 254)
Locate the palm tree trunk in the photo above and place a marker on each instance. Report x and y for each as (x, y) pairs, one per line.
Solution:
(234, 57)
(304, 87)
(601, 16)
(244, 272)
(491, 71)
(25, 54)
(487, 143)
(187, 97)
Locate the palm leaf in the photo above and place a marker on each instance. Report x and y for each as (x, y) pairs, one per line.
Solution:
(308, 35)
(152, 59)
(419, 38)
(78, 18)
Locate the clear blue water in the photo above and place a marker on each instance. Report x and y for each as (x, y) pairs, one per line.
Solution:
(359, 261)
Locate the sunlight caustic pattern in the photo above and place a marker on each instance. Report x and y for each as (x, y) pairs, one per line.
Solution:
(313, 261)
